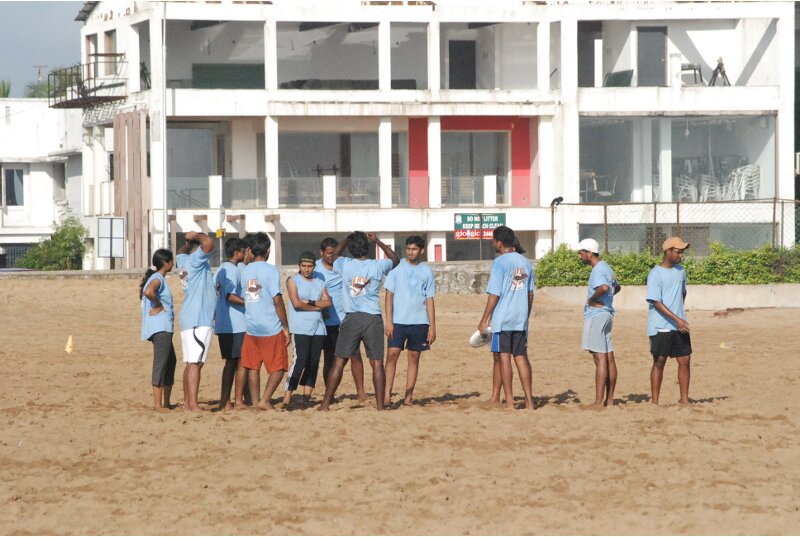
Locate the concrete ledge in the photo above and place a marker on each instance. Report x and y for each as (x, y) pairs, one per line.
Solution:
(698, 297)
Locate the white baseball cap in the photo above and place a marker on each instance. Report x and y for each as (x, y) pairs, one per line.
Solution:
(590, 245)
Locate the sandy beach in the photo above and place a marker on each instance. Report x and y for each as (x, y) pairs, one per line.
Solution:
(83, 453)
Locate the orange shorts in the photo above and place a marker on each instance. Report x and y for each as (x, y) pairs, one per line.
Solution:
(269, 350)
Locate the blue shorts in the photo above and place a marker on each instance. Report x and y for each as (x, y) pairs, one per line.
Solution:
(514, 343)
(413, 337)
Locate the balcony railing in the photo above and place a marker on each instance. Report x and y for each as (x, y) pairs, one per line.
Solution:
(248, 193)
(91, 84)
(358, 191)
(300, 191)
(187, 193)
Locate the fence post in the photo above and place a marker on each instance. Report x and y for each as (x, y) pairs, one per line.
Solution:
(782, 221)
(552, 227)
(774, 217)
(653, 247)
(605, 226)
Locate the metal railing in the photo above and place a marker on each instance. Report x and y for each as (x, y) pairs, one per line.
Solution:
(102, 81)
(300, 191)
(639, 227)
(248, 193)
(187, 193)
(462, 190)
(358, 191)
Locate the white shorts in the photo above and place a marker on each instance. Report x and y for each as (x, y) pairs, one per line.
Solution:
(196, 344)
(597, 333)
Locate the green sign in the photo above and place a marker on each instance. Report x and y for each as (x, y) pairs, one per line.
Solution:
(477, 225)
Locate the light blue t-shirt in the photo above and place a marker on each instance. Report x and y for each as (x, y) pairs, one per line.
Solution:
(361, 283)
(665, 285)
(261, 282)
(199, 295)
(229, 318)
(602, 274)
(412, 286)
(511, 279)
(308, 323)
(333, 283)
(163, 322)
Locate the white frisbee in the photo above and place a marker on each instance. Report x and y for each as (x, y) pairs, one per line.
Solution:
(479, 340)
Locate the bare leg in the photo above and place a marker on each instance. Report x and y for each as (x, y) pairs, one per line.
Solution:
(191, 385)
(334, 378)
(241, 380)
(357, 368)
(612, 379)
(308, 391)
(158, 394)
(378, 381)
(392, 355)
(411, 376)
(167, 395)
(656, 376)
(507, 379)
(525, 378)
(496, 381)
(287, 397)
(600, 378)
(272, 384)
(684, 375)
(254, 383)
(228, 375)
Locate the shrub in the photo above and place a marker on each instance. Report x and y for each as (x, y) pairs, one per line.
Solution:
(723, 266)
(62, 251)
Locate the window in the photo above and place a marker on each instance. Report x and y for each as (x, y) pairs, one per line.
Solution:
(13, 188)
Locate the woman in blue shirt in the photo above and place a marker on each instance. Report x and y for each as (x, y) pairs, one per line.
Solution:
(157, 326)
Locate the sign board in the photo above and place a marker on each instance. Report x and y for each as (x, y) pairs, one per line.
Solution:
(473, 225)
(111, 237)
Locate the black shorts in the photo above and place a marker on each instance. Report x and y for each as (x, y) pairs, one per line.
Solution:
(358, 327)
(413, 337)
(514, 342)
(230, 345)
(671, 344)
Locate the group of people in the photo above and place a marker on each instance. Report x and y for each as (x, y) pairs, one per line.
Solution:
(334, 309)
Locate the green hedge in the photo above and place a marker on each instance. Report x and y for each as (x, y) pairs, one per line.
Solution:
(723, 266)
(62, 251)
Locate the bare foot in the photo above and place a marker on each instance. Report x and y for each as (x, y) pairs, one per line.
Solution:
(323, 408)
(594, 406)
(161, 409)
(193, 409)
(226, 407)
(241, 406)
(265, 405)
(493, 400)
(684, 403)
(408, 401)
(510, 407)
(287, 399)
(362, 398)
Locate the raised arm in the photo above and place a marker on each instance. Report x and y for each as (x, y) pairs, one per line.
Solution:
(386, 250)
(206, 243)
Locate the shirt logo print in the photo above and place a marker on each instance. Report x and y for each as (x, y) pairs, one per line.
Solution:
(358, 286)
(184, 276)
(253, 290)
(519, 280)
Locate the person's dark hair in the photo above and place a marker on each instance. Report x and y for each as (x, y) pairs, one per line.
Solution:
(248, 240)
(517, 246)
(233, 245)
(160, 256)
(358, 244)
(260, 244)
(307, 256)
(328, 241)
(504, 234)
(188, 246)
(417, 240)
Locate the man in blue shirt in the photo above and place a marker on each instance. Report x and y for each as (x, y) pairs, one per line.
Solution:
(410, 314)
(335, 315)
(598, 315)
(197, 313)
(229, 319)
(509, 304)
(666, 318)
(361, 281)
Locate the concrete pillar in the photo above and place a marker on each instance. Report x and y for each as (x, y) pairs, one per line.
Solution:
(549, 181)
(271, 157)
(131, 37)
(215, 192)
(243, 149)
(665, 158)
(384, 56)
(637, 193)
(385, 161)
(437, 241)
(434, 58)
(543, 56)
(569, 110)
(674, 78)
(490, 191)
(598, 63)
(328, 191)
(388, 240)
(435, 162)
(158, 135)
(270, 55)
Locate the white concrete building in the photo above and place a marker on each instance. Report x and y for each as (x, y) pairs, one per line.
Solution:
(40, 168)
(313, 118)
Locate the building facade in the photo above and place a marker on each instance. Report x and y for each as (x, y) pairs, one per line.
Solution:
(40, 167)
(306, 119)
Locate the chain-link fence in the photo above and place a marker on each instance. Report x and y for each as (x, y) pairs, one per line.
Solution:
(639, 227)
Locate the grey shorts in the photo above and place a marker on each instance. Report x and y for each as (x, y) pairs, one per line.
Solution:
(358, 327)
(164, 359)
(597, 333)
